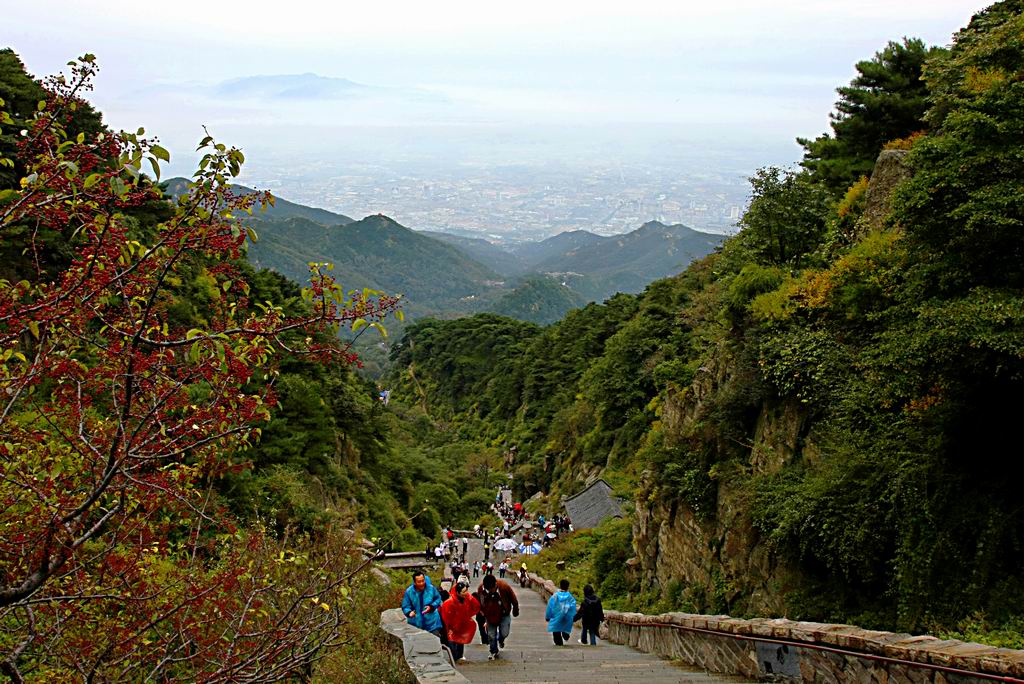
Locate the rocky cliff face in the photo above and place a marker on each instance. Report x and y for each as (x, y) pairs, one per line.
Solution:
(890, 170)
(721, 561)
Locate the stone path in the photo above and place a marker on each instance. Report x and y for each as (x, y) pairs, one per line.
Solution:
(530, 655)
(406, 561)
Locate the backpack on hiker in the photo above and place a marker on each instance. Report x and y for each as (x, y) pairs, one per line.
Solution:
(492, 607)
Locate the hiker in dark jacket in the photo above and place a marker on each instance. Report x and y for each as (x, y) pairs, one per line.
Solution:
(498, 605)
(590, 615)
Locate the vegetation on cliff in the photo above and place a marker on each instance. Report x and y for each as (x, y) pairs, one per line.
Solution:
(894, 350)
(183, 443)
(840, 380)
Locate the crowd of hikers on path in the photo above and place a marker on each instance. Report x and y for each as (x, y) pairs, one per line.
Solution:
(456, 616)
(518, 530)
(514, 534)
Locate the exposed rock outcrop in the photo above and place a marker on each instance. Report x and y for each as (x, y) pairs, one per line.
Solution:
(721, 559)
(890, 170)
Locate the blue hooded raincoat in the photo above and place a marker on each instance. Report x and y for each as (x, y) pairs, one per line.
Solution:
(560, 612)
(418, 600)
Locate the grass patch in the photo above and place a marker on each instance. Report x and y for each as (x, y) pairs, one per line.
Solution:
(367, 648)
(979, 629)
(596, 556)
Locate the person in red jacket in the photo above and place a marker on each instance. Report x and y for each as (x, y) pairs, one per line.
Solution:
(459, 615)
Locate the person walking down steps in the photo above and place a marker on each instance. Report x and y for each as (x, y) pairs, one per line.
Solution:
(590, 615)
(560, 613)
(498, 605)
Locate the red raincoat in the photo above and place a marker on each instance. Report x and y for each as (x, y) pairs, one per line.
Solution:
(460, 618)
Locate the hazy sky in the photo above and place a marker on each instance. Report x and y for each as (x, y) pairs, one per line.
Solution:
(733, 70)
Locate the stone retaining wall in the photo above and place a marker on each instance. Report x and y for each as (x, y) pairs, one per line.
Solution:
(786, 650)
(428, 662)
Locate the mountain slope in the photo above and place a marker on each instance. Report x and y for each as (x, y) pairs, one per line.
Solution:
(595, 266)
(653, 249)
(375, 252)
(628, 263)
(538, 299)
(503, 261)
(444, 274)
(557, 246)
(282, 209)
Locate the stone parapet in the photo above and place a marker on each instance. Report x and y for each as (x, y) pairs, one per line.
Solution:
(544, 587)
(788, 650)
(428, 661)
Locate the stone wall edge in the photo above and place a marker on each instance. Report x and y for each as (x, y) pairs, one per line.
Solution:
(427, 660)
(970, 657)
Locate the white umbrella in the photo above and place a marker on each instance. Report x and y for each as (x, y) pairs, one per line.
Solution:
(505, 544)
(551, 535)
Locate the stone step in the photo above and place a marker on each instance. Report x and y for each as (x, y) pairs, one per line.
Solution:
(531, 656)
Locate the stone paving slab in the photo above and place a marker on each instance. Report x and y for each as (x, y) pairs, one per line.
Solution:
(530, 657)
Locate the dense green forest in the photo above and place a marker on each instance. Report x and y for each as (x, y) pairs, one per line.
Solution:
(840, 380)
(847, 368)
(272, 505)
(329, 450)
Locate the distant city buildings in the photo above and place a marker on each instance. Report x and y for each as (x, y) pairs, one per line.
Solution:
(521, 202)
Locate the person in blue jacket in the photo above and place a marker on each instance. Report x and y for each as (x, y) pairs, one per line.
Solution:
(421, 604)
(560, 613)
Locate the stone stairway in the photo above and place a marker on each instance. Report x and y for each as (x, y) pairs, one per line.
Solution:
(530, 655)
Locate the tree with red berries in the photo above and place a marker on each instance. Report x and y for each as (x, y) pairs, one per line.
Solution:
(116, 562)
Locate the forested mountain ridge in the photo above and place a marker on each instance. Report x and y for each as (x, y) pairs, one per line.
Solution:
(446, 275)
(597, 266)
(378, 253)
(497, 258)
(556, 246)
(538, 299)
(652, 245)
(281, 209)
(449, 275)
(813, 420)
(628, 262)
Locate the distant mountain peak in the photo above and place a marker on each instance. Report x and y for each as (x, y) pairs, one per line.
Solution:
(282, 209)
(290, 86)
(382, 221)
